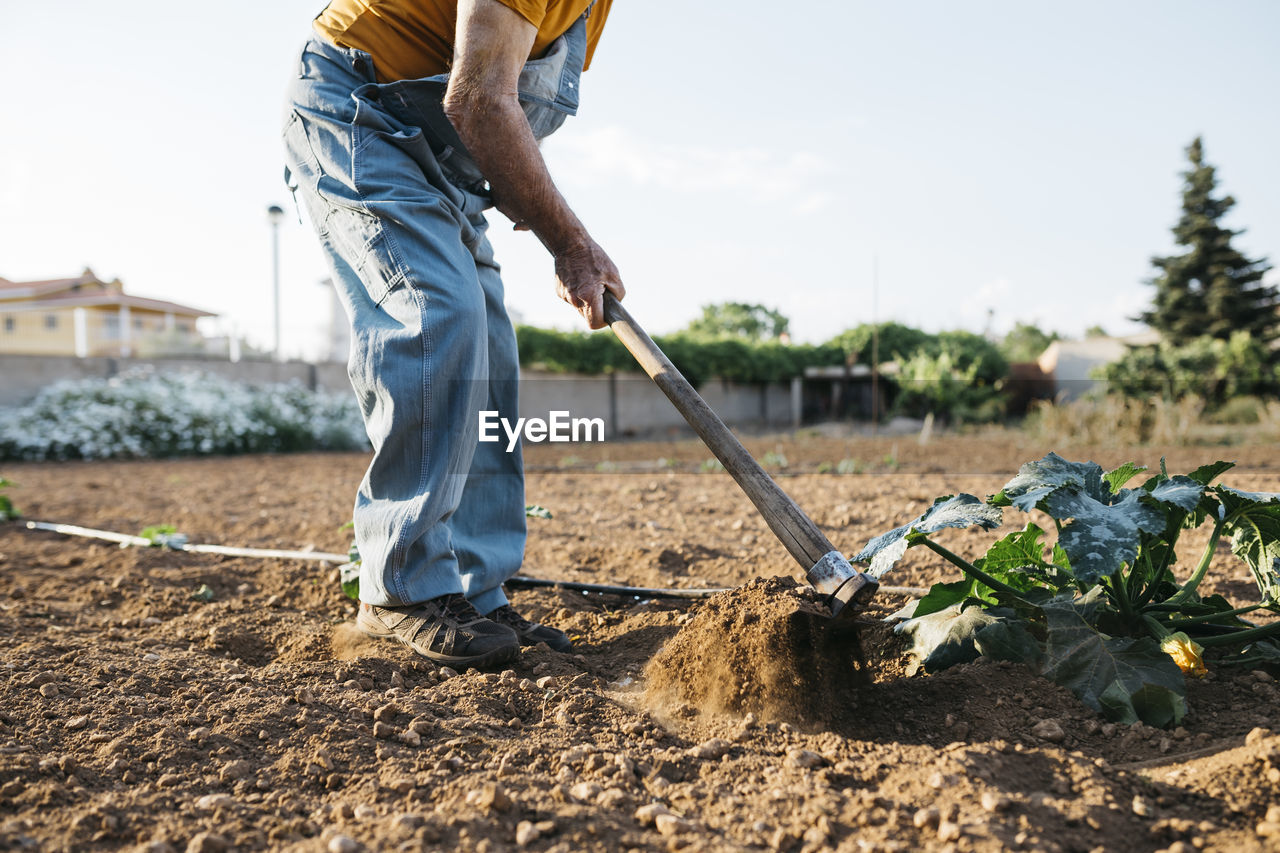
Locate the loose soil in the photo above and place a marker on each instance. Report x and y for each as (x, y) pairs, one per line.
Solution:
(136, 716)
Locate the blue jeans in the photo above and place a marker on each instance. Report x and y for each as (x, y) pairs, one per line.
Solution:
(432, 345)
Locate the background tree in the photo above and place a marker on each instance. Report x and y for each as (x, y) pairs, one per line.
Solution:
(740, 320)
(1026, 342)
(1211, 289)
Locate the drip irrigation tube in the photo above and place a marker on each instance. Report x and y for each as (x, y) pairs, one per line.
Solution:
(517, 582)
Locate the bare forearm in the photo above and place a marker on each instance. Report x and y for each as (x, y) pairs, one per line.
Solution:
(494, 129)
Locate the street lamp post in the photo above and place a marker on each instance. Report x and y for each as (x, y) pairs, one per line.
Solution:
(275, 215)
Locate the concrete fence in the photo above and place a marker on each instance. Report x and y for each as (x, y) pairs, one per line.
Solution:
(629, 404)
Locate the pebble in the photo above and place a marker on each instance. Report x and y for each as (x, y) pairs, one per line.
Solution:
(75, 724)
(803, 758)
(387, 711)
(1269, 829)
(235, 770)
(447, 672)
(42, 678)
(526, 833)
(490, 798)
(209, 802)
(48, 691)
(411, 737)
(382, 731)
(1050, 730)
(546, 682)
(711, 750)
(994, 802)
(343, 844)
(1142, 807)
(198, 734)
(1256, 736)
(647, 814)
(152, 657)
(669, 824)
(926, 817)
(585, 792)
(207, 842)
(948, 831)
(1273, 815)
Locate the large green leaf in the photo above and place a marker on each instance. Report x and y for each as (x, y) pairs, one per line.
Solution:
(1101, 538)
(1126, 679)
(1117, 477)
(1019, 560)
(1252, 519)
(959, 634)
(1035, 481)
(958, 511)
(1179, 491)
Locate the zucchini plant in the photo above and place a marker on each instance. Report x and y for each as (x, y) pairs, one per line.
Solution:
(1105, 610)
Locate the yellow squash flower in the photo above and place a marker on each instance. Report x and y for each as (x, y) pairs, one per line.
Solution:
(1185, 653)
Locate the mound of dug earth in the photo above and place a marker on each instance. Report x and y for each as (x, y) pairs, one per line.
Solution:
(769, 648)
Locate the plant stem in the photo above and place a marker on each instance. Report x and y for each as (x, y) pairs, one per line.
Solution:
(1188, 589)
(1209, 617)
(970, 569)
(1246, 636)
(1120, 594)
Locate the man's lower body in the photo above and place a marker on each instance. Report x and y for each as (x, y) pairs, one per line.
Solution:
(439, 517)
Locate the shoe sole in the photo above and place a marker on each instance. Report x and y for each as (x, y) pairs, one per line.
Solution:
(502, 654)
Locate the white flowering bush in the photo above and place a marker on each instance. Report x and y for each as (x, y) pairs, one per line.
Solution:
(142, 413)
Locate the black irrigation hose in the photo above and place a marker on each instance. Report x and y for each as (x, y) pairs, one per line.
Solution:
(517, 582)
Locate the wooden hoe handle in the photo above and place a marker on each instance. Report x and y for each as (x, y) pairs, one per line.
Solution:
(797, 532)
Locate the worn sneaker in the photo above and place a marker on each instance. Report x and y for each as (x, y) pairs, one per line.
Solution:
(446, 630)
(531, 633)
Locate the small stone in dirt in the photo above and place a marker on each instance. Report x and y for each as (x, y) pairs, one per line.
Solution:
(948, 831)
(1257, 735)
(151, 657)
(207, 842)
(1142, 807)
(75, 724)
(411, 737)
(585, 792)
(646, 815)
(710, 750)
(1268, 829)
(669, 824)
(490, 798)
(925, 818)
(405, 823)
(1050, 730)
(238, 769)
(198, 734)
(447, 672)
(343, 844)
(611, 798)
(382, 731)
(48, 691)
(526, 833)
(994, 802)
(42, 678)
(387, 711)
(209, 802)
(547, 682)
(803, 758)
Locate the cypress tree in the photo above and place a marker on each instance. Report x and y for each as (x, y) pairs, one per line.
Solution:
(1212, 288)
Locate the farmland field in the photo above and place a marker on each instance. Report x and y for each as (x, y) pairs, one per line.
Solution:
(135, 715)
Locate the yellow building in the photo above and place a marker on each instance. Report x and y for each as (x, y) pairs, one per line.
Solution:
(86, 316)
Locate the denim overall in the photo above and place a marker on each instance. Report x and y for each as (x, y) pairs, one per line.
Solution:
(398, 205)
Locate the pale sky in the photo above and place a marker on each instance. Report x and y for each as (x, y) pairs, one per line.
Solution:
(1008, 156)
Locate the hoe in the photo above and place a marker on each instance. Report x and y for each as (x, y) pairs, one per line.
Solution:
(826, 569)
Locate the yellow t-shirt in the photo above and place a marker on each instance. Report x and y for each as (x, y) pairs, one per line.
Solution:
(409, 39)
